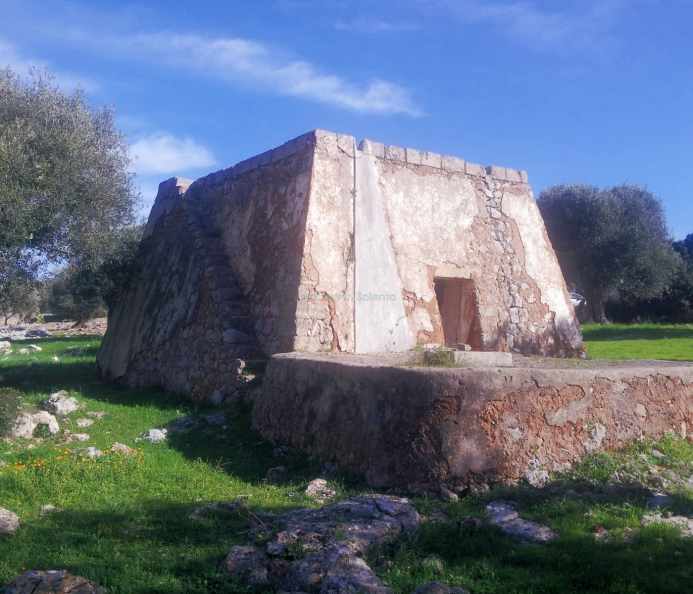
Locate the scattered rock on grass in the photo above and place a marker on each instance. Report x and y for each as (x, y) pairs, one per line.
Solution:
(182, 426)
(123, 449)
(60, 404)
(96, 414)
(84, 423)
(504, 515)
(308, 554)
(5, 347)
(437, 588)
(23, 351)
(8, 521)
(47, 509)
(52, 582)
(55, 359)
(681, 522)
(318, 490)
(435, 563)
(659, 500)
(153, 435)
(25, 424)
(33, 347)
(78, 437)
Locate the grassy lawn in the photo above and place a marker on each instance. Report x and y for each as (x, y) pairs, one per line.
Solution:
(125, 520)
(639, 341)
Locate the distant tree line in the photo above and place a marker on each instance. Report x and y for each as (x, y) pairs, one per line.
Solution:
(614, 248)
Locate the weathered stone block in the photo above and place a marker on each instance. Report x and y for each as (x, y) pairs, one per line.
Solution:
(453, 164)
(395, 153)
(513, 175)
(432, 160)
(497, 172)
(473, 169)
(413, 156)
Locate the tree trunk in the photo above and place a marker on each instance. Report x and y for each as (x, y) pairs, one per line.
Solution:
(595, 304)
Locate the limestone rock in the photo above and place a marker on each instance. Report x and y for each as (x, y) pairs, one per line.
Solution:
(55, 359)
(306, 556)
(683, 523)
(26, 423)
(96, 414)
(78, 437)
(60, 404)
(90, 452)
(318, 490)
(5, 347)
(23, 351)
(504, 515)
(52, 582)
(36, 348)
(84, 423)
(37, 333)
(8, 521)
(123, 449)
(659, 500)
(153, 435)
(47, 509)
(535, 475)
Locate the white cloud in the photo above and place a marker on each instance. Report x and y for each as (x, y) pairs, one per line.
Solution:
(163, 153)
(250, 63)
(577, 26)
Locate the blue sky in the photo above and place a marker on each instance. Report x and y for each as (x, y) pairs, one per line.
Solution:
(593, 91)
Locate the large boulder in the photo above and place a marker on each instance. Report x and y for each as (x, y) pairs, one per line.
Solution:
(26, 423)
(323, 549)
(52, 582)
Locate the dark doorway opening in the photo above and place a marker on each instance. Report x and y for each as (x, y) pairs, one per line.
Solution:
(457, 304)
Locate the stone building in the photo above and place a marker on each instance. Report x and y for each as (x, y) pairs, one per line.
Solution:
(320, 245)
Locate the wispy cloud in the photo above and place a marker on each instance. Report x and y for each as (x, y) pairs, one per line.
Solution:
(252, 63)
(576, 26)
(375, 26)
(162, 152)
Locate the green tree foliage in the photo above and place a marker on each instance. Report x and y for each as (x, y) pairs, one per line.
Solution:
(675, 305)
(83, 290)
(66, 193)
(608, 240)
(10, 400)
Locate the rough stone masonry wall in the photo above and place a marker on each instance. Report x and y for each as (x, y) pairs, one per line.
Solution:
(451, 219)
(285, 219)
(422, 428)
(183, 323)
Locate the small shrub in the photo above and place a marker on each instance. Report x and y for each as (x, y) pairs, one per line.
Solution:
(10, 400)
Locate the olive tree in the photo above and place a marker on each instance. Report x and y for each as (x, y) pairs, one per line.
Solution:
(607, 240)
(66, 190)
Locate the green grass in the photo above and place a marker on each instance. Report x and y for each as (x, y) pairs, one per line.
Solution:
(125, 520)
(639, 341)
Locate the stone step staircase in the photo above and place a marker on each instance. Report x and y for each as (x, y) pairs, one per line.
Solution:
(229, 313)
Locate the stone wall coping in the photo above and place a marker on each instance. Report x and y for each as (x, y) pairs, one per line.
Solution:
(407, 156)
(587, 370)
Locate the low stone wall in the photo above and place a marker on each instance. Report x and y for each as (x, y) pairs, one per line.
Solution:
(428, 429)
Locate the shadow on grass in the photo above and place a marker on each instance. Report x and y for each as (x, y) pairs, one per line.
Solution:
(154, 547)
